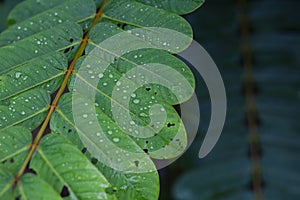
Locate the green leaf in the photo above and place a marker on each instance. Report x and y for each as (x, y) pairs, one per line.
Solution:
(6, 183)
(45, 71)
(33, 17)
(14, 146)
(32, 187)
(126, 12)
(125, 185)
(44, 48)
(27, 109)
(179, 7)
(61, 164)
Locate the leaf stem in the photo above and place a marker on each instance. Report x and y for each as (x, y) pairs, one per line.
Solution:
(60, 92)
(251, 111)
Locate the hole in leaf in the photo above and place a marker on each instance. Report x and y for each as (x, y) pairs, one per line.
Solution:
(155, 93)
(70, 130)
(111, 190)
(71, 40)
(12, 160)
(65, 192)
(18, 197)
(94, 161)
(31, 171)
(146, 141)
(148, 89)
(84, 150)
(122, 26)
(68, 50)
(146, 151)
(4, 161)
(170, 124)
(136, 163)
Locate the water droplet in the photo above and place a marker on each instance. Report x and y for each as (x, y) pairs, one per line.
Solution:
(23, 113)
(85, 116)
(18, 74)
(136, 101)
(143, 114)
(116, 139)
(100, 75)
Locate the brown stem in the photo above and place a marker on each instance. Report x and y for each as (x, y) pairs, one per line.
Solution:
(60, 92)
(251, 112)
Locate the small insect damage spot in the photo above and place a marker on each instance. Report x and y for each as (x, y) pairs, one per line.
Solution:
(84, 150)
(146, 151)
(170, 124)
(111, 190)
(136, 163)
(64, 192)
(122, 25)
(94, 161)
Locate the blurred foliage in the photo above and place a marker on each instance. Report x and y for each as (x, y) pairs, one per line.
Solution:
(5, 7)
(274, 42)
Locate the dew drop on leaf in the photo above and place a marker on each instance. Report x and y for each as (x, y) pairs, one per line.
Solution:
(18, 74)
(85, 116)
(136, 101)
(100, 75)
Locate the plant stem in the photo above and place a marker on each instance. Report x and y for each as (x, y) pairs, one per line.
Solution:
(60, 92)
(251, 111)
